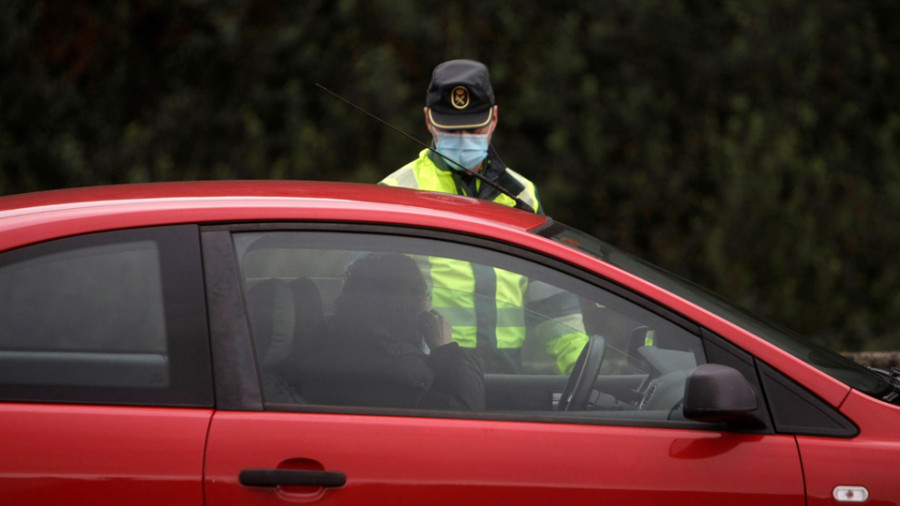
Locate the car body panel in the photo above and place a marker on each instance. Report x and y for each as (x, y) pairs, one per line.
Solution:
(45, 215)
(868, 460)
(59, 454)
(405, 460)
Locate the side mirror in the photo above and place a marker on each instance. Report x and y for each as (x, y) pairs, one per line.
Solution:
(718, 393)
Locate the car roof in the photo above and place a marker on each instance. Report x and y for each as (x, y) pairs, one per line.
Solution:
(57, 213)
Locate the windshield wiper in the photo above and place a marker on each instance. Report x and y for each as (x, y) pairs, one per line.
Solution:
(893, 378)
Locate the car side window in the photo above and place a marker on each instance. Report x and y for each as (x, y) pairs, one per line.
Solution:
(375, 321)
(106, 317)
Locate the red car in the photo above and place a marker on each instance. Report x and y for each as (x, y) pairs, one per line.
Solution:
(268, 342)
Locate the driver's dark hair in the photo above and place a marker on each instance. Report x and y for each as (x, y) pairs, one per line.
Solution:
(382, 282)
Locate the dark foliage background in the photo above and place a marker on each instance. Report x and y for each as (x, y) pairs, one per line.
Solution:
(750, 145)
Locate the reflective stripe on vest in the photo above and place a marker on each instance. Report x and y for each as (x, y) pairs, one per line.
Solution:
(483, 304)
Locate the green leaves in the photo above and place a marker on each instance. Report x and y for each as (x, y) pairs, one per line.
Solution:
(752, 146)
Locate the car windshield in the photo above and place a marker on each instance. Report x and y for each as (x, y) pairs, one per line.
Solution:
(827, 361)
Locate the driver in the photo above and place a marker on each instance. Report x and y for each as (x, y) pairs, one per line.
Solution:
(384, 346)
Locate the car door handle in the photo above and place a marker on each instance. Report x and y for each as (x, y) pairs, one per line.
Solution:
(285, 477)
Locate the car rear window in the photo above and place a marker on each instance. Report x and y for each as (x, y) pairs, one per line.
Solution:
(91, 315)
(103, 318)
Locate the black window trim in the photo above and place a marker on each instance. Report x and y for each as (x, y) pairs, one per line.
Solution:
(237, 384)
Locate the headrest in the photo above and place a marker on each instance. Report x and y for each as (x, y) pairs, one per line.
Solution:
(271, 308)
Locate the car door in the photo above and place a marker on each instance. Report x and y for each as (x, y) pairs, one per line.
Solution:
(105, 381)
(299, 425)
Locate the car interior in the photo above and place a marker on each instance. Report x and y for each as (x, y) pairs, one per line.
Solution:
(634, 364)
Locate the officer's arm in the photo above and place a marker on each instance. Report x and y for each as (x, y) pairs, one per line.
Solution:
(561, 327)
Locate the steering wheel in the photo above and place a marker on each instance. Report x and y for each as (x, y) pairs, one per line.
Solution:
(578, 389)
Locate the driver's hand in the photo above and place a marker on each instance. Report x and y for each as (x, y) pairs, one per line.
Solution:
(435, 329)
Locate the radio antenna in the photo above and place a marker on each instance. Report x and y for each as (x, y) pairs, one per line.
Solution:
(520, 204)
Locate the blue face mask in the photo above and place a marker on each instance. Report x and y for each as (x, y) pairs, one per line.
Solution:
(468, 150)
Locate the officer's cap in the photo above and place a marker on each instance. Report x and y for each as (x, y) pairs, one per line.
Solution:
(460, 95)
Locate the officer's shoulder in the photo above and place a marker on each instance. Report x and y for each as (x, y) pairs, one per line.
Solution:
(404, 176)
(518, 176)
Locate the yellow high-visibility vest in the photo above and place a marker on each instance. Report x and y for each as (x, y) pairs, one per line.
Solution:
(485, 305)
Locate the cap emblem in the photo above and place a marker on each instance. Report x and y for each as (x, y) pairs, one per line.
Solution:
(459, 97)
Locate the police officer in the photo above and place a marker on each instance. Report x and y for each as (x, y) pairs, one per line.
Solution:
(484, 306)
(461, 114)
